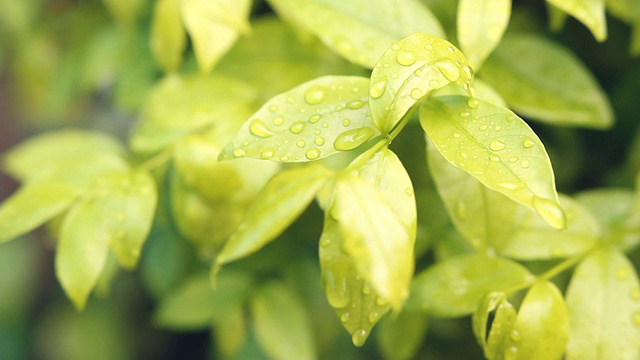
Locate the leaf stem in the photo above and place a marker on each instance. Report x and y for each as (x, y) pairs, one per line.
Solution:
(156, 161)
(401, 124)
(565, 265)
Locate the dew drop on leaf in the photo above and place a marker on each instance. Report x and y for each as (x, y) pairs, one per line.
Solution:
(355, 104)
(468, 72)
(319, 141)
(635, 294)
(416, 93)
(297, 127)
(528, 143)
(315, 95)
(351, 139)
(337, 290)
(433, 83)
(359, 337)
(312, 154)
(525, 164)
(273, 108)
(239, 153)
(267, 153)
(259, 128)
(515, 335)
(346, 122)
(449, 69)
(300, 143)
(278, 121)
(473, 102)
(497, 145)
(314, 118)
(366, 289)
(344, 317)
(374, 316)
(406, 58)
(494, 158)
(378, 89)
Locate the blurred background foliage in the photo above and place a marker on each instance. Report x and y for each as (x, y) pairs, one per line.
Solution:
(89, 64)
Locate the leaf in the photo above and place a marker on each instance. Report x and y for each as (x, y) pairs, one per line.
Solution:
(589, 12)
(408, 71)
(279, 315)
(378, 243)
(214, 27)
(497, 148)
(492, 323)
(634, 48)
(168, 36)
(541, 329)
(355, 302)
(454, 287)
(603, 307)
(281, 201)
(309, 122)
(230, 332)
(626, 10)
(32, 206)
(195, 304)
(359, 30)
(544, 81)
(399, 337)
(481, 24)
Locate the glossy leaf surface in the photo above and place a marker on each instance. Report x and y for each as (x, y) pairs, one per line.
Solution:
(492, 323)
(496, 147)
(309, 122)
(544, 81)
(168, 36)
(589, 12)
(408, 71)
(481, 24)
(359, 30)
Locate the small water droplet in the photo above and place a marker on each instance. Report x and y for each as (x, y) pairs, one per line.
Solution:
(317, 132)
(345, 317)
(449, 69)
(284, 158)
(525, 164)
(312, 154)
(267, 153)
(528, 143)
(258, 128)
(374, 316)
(497, 128)
(314, 118)
(319, 141)
(355, 104)
(515, 335)
(395, 47)
(512, 186)
(513, 160)
(325, 125)
(513, 349)
(337, 290)
(406, 58)
(381, 301)
(278, 121)
(456, 135)
(394, 75)
(359, 337)
(416, 93)
(428, 47)
(315, 95)
(239, 153)
(297, 127)
(473, 103)
(300, 143)
(451, 49)
(434, 84)
(273, 108)
(378, 88)
(467, 71)
(550, 211)
(465, 114)
(408, 191)
(366, 289)
(510, 118)
(351, 139)
(346, 122)
(494, 158)
(497, 145)
(483, 127)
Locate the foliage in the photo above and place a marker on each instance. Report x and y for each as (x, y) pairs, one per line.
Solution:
(297, 167)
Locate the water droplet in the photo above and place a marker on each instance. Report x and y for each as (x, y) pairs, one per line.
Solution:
(378, 88)
(428, 47)
(465, 114)
(483, 127)
(467, 71)
(513, 160)
(300, 143)
(380, 301)
(297, 127)
(497, 128)
(314, 118)
(494, 158)
(550, 211)
(374, 316)
(278, 121)
(315, 95)
(451, 49)
(267, 153)
(510, 118)
(416, 93)
(515, 335)
(273, 108)
(394, 75)
(317, 132)
(528, 143)
(449, 69)
(473, 103)
(319, 141)
(325, 242)
(406, 58)
(239, 153)
(622, 273)
(345, 317)
(325, 124)
(312, 154)
(346, 122)
(351, 139)
(359, 337)
(525, 164)
(284, 158)
(258, 128)
(636, 318)
(366, 289)
(461, 210)
(513, 349)
(337, 290)
(497, 145)
(339, 108)
(635, 294)
(408, 191)
(512, 186)
(395, 47)
(434, 84)
(355, 104)
(456, 135)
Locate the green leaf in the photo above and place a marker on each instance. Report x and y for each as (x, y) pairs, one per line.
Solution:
(626, 10)
(309, 122)
(544, 81)
(375, 238)
(481, 24)
(604, 309)
(634, 48)
(455, 287)
(168, 36)
(496, 147)
(230, 332)
(557, 18)
(355, 302)
(195, 304)
(214, 26)
(32, 206)
(399, 337)
(589, 12)
(492, 323)
(408, 71)
(126, 12)
(541, 329)
(281, 324)
(359, 30)
(281, 201)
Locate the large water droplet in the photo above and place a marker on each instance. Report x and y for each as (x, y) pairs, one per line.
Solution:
(473, 103)
(297, 127)
(497, 145)
(351, 139)
(239, 153)
(319, 140)
(449, 69)
(267, 153)
(312, 154)
(278, 121)
(359, 337)
(378, 88)
(337, 290)
(355, 104)
(416, 93)
(259, 128)
(315, 95)
(406, 58)
(550, 211)
(528, 143)
(314, 118)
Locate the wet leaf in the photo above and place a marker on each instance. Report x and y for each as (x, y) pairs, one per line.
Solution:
(492, 323)
(481, 24)
(408, 71)
(168, 36)
(455, 287)
(359, 30)
(399, 337)
(279, 314)
(544, 81)
(589, 12)
(309, 122)
(496, 147)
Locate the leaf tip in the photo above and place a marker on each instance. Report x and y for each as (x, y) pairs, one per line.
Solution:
(551, 211)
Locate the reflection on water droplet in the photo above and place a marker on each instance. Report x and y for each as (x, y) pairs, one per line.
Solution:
(408, 191)
(380, 301)
(434, 84)
(346, 122)
(513, 160)
(355, 104)
(258, 128)
(515, 335)
(416, 93)
(325, 242)
(351, 139)
(284, 158)
(297, 127)
(467, 71)
(494, 158)
(374, 316)
(406, 58)
(359, 337)
(300, 143)
(510, 118)
(483, 127)
(273, 108)
(512, 186)
(315, 95)
(267, 153)
(525, 164)
(497, 128)
(465, 114)
(550, 211)
(319, 141)
(456, 135)
(395, 47)
(314, 118)
(449, 69)
(428, 47)
(239, 153)
(278, 121)
(312, 154)
(497, 145)
(337, 290)
(473, 103)
(450, 48)
(513, 349)
(345, 317)
(528, 143)
(378, 88)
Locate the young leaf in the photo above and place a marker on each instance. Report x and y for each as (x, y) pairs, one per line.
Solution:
(481, 24)
(168, 36)
(309, 122)
(408, 71)
(604, 308)
(32, 206)
(544, 81)
(589, 12)
(359, 30)
(541, 329)
(281, 324)
(497, 148)
(281, 201)
(214, 27)
(399, 337)
(626, 10)
(454, 287)
(492, 323)
(355, 302)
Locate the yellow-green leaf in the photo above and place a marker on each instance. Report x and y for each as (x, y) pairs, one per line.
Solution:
(589, 12)
(408, 71)
(359, 30)
(399, 337)
(481, 24)
(492, 323)
(496, 147)
(626, 10)
(168, 36)
(126, 12)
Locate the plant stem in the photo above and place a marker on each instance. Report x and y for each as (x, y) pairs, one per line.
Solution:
(156, 161)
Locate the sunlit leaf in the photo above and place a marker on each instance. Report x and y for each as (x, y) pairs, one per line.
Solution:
(399, 337)
(544, 81)
(492, 322)
(557, 18)
(481, 24)
(356, 304)
(359, 30)
(281, 324)
(230, 331)
(626, 10)
(126, 12)
(541, 329)
(281, 201)
(168, 36)
(604, 308)
(408, 71)
(496, 147)
(214, 27)
(309, 122)
(483, 91)
(456, 286)
(589, 12)
(32, 206)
